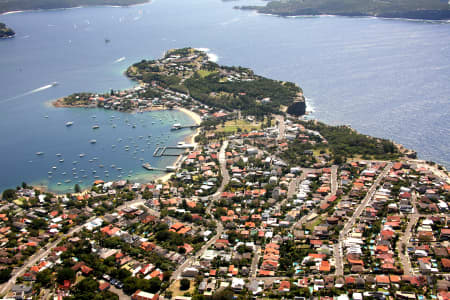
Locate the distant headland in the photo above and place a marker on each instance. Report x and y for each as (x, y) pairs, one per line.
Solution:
(414, 9)
(6, 32)
(21, 5)
(188, 73)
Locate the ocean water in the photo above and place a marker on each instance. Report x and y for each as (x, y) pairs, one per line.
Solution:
(387, 78)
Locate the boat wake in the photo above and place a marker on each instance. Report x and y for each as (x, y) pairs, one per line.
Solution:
(120, 59)
(42, 88)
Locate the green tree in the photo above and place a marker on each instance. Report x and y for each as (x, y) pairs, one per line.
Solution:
(185, 284)
(65, 274)
(5, 274)
(9, 194)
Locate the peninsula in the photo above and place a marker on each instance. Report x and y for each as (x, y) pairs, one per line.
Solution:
(413, 9)
(20, 5)
(188, 74)
(6, 32)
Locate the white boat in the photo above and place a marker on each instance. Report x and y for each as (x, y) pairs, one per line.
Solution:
(59, 183)
(46, 117)
(93, 141)
(69, 124)
(58, 154)
(147, 166)
(61, 160)
(82, 155)
(95, 127)
(39, 153)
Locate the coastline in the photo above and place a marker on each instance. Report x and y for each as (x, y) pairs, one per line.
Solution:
(73, 7)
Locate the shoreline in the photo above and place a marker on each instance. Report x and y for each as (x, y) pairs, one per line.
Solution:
(72, 7)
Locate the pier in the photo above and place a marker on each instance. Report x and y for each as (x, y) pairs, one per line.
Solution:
(162, 151)
(179, 126)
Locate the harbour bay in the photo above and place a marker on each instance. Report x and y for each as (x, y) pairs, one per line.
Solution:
(354, 70)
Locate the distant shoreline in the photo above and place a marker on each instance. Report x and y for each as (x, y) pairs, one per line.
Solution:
(72, 7)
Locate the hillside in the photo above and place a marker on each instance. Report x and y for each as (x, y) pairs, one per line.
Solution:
(412, 9)
(15, 5)
(189, 71)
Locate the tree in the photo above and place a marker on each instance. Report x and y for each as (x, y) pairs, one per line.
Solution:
(5, 274)
(44, 277)
(185, 284)
(65, 274)
(9, 194)
(225, 294)
(77, 188)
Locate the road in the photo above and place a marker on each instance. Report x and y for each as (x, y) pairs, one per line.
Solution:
(333, 191)
(255, 261)
(338, 253)
(281, 126)
(225, 179)
(405, 240)
(35, 258)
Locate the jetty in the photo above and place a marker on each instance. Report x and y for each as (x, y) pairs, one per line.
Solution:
(162, 151)
(178, 126)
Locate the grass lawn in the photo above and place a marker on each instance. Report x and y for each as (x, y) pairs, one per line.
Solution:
(175, 289)
(204, 73)
(310, 226)
(233, 125)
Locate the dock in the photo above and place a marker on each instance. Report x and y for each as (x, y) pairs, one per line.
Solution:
(179, 126)
(162, 151)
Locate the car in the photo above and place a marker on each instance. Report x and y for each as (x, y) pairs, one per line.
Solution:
(113, 281)
(119, 285)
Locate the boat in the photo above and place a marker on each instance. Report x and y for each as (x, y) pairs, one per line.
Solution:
(46, 117)
(54, 168)
(176, 126)
(93, 141)
(58, 154)
(50, 172)
(75, 162)
(39, 153)
(147, 166)
(59, 183)
(63, 173)
(67, 181)
(68, 124)
(82, 155)
(61, 160)
(95, 127)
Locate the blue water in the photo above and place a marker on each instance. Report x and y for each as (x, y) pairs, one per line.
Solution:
(387, 78)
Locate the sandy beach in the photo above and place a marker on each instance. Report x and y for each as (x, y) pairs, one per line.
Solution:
(196, 117)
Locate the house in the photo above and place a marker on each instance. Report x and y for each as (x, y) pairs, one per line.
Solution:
(285, 286)
(140, 295)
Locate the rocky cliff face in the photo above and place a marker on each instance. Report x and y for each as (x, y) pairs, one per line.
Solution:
(297, 108)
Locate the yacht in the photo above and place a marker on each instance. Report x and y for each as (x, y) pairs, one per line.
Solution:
(95, 127)
(61, 160)
(93, 141)
(68, 124)
(39, 153)
(82, 155)
(58, 154)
